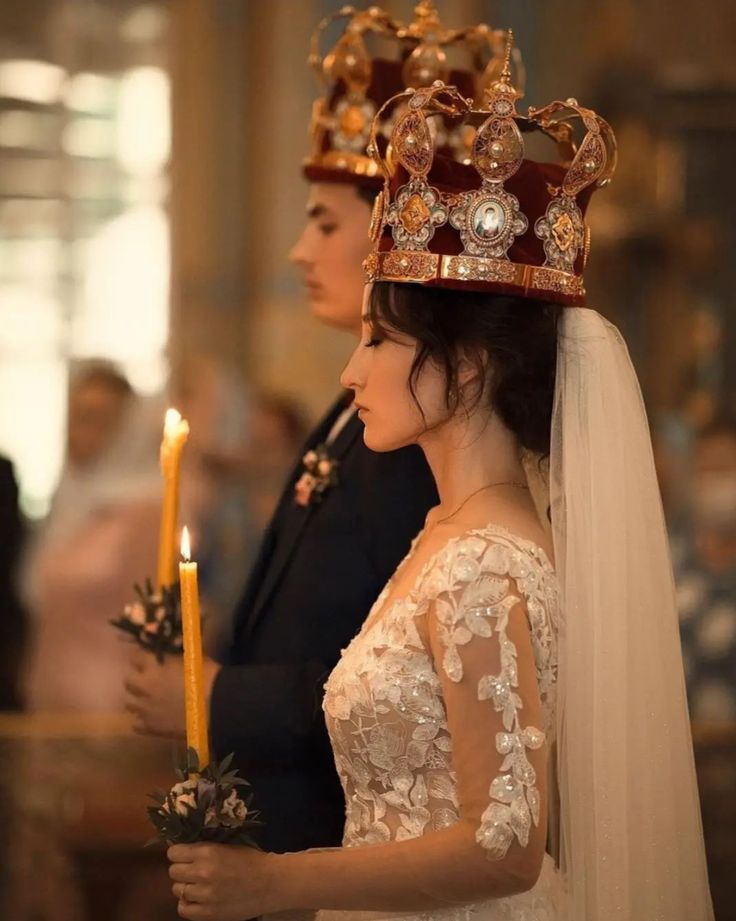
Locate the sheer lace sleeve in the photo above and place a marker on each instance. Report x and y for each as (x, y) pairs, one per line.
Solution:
(481, 640)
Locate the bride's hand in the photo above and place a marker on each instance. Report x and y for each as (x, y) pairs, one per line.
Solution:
(218, 882)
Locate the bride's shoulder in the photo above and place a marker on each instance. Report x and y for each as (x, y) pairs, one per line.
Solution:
(509, 526)
(487, 549)
(493, 542)
(514, 515)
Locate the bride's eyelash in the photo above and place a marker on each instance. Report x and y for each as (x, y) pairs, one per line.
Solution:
(372, 342)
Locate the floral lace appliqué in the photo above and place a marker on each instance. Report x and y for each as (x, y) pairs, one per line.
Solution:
(385, 708)
(482, 609)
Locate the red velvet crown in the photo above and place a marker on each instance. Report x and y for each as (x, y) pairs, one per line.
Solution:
(357, 85)
(500, 222)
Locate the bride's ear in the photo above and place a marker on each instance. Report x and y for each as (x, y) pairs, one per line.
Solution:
(472, 374)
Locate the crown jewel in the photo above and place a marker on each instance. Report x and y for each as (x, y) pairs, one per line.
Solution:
(498, 221)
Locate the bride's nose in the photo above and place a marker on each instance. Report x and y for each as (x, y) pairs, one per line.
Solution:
(353, 375)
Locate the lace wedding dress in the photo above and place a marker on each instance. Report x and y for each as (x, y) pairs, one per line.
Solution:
(447, 696)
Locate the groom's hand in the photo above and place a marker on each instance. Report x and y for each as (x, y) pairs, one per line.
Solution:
(155, 693)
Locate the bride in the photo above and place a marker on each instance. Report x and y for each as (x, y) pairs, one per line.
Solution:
(509, 725)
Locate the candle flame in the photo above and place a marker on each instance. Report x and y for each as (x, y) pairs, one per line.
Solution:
(186, 549)
(171, 421)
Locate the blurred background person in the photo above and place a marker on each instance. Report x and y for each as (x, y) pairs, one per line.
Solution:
(100, 537)
(280, 429)
(13, 621)
(213, 398)
(242, 481)
(706, 577)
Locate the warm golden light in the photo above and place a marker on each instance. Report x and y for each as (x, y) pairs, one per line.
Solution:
(143, 130)
(176, 431)
(171, 422)
(186, 549)
(31, 80)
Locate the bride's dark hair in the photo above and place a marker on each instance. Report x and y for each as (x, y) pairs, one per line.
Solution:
(516, 337)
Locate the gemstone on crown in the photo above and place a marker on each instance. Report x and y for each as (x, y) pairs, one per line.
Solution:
(414, 214)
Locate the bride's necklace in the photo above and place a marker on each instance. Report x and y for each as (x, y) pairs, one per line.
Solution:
(467, 499)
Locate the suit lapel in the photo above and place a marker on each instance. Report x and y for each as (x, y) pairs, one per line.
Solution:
(294, 518)
(345, 438)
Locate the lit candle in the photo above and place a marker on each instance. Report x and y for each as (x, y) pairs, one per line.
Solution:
(176, 431)
(197, 736)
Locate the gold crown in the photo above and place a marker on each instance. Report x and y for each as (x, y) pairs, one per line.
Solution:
(357, 83)
(497, 221)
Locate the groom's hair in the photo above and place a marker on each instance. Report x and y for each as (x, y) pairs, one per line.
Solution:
(511, 340)
(367, 194)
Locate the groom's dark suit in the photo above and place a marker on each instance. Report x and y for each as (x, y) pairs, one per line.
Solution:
(319, 570)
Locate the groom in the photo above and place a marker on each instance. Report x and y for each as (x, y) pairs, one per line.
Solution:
(344, 521)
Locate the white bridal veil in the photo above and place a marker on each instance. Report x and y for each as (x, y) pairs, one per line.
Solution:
(630, 838)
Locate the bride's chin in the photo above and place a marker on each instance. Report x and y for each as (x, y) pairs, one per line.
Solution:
(382, 442)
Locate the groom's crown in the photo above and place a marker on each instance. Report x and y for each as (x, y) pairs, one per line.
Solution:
(498, 221)
(358, 82)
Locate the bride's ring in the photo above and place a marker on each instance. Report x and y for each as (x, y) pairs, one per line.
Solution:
(184, 892)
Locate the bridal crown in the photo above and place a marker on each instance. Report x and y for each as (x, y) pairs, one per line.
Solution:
(495, 221)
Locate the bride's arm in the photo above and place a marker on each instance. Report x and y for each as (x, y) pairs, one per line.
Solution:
(480, 639)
